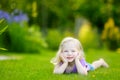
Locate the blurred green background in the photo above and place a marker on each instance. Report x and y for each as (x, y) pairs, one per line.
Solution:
(31, 31)
(37, 24)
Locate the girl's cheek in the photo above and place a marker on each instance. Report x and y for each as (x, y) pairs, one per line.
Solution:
(77, 54)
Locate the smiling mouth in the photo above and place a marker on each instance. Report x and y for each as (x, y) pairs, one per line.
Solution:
(69, 57)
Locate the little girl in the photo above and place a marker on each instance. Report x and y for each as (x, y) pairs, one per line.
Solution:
(70, 58)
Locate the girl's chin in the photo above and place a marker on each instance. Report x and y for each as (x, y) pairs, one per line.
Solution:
(70, 60)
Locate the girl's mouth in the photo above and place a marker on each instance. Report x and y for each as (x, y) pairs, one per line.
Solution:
(69, 57)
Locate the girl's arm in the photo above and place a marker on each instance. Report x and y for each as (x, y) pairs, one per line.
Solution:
(59, 69)
(80, 68)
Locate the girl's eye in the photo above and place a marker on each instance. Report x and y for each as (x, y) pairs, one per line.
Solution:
(65, 51)
(73, 50)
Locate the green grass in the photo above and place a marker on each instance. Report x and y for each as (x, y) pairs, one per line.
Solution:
(38, 67)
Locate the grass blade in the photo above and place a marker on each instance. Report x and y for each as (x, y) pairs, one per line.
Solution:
(3, 25)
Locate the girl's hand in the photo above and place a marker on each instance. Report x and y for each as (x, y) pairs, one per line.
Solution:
(63, 59)
(77, 57)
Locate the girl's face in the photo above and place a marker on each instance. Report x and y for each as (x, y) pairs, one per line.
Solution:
(69, 51)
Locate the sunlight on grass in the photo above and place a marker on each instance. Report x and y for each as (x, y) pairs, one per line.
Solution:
(38, 67)
(3, 57)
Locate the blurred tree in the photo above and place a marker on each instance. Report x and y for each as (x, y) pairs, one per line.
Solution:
(62, 13)
(65, 14)
(99, 11)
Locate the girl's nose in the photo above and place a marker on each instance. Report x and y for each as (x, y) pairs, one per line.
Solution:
(69, 53)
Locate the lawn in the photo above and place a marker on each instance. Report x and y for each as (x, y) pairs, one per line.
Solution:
(38, 67)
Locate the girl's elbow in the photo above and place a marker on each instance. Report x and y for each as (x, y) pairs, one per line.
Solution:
(84, 73)
(57, 72)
